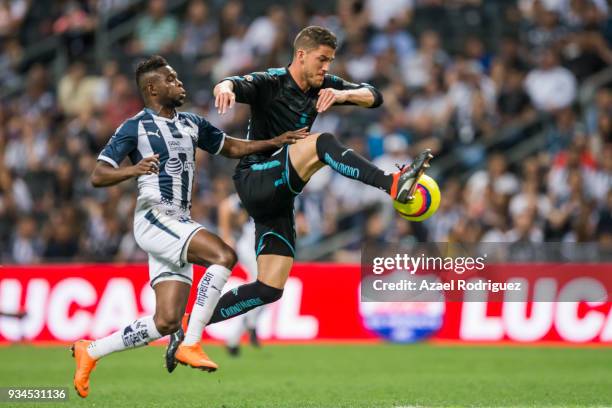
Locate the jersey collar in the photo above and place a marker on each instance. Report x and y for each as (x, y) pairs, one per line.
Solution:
(153, 113)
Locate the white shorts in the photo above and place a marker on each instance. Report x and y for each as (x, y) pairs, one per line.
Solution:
(166, 240)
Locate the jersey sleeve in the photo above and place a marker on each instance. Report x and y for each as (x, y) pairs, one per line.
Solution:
(122, 143)
(333, 81)
(254, 88)
(210, 138)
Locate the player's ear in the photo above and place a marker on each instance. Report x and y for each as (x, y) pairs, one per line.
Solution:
(300, 55)
(151, 88)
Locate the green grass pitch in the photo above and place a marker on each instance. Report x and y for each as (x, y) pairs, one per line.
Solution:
(329, 376)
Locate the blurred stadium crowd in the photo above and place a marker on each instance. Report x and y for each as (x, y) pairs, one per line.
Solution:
(473, 80)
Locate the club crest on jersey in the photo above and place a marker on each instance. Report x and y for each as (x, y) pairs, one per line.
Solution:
(190, 131)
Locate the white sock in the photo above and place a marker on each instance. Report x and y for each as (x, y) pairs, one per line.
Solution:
(140, 333)
(209, 292)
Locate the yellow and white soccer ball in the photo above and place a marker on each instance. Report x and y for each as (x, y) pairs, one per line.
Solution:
(425, 202)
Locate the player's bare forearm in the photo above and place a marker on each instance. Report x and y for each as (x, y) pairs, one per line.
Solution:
(236, 148)
(105, 175)
(367, 97)
(362, 97)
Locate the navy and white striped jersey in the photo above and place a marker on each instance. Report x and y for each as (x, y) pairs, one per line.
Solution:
(175, 140)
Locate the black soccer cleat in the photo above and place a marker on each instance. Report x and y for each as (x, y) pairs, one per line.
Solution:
(233, 351)
(253, 339)
(405, 181)
(175, 341)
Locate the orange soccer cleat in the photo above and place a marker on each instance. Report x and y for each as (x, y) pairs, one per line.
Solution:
(84, 366)
(195, 357)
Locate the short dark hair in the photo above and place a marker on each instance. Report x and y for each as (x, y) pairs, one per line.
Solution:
(314, 36)
(151, 64)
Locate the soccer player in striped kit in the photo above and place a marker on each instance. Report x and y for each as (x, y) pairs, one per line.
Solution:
(161, 144)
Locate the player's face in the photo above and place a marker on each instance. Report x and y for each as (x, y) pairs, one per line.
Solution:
(171, 89)
(316, 64)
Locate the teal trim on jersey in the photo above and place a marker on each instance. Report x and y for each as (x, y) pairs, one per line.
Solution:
(151, 218)
(286, 175)
(265, 166)
(260, 246)
(279, 182)
(277, 71)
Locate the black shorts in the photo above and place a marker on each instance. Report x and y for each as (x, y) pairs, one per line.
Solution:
(267, 190)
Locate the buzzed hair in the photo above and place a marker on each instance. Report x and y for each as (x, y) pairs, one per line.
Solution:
(149, 65)
(312, 37)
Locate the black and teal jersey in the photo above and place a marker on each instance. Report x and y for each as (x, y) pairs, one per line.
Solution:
(279, 105)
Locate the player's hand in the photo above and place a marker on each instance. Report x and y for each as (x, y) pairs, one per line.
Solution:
(224, 100)
(290, 137)
(148, 165)
(329, 96)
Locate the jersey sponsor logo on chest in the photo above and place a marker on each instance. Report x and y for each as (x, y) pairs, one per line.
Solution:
(177, 146)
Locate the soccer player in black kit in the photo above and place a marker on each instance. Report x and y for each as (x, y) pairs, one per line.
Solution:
(283, 99)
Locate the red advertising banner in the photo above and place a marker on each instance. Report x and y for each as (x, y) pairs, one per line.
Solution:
(321, 302)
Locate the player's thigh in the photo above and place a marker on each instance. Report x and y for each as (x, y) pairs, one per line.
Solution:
(206, 248)
(274, 270)
(303, 156)
(170, 301)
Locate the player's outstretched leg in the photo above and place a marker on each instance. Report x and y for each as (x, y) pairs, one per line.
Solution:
(170, 298)
(208, 250)
(309, 155)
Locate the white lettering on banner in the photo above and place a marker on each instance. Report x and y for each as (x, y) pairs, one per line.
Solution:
(116, 308)
(37, 295)
(569, 325)
(147, 300)
(10, 297)
(522, 328)
(476, 325)
(66, 292)
(32, 324)
(516, 323)
(290, 324)
(281, 320)
(606, 333)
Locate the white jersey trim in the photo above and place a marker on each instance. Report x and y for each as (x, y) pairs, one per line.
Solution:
(108, 160)
(221, 145)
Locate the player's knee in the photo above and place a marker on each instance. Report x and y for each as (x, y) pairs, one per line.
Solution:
(227, 257)
(323, 142)
(268, 293)
(167, 323)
